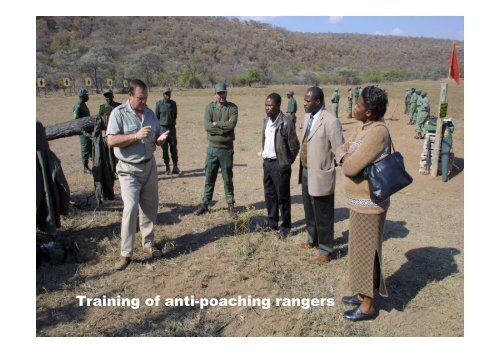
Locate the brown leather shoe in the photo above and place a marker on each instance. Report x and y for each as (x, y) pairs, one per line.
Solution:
(202, 208)
(321, 259)
(123, 263)
(231, 211)
(153, 251)
(306, 246)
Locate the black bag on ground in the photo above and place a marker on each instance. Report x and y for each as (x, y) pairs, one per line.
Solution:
(387, 176)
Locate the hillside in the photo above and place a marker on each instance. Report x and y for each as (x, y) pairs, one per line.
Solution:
(198, 51)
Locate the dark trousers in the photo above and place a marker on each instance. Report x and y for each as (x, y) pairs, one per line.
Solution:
(85, 148)
(277, 194)
(223, 158)
(171, 143)
(319, 218)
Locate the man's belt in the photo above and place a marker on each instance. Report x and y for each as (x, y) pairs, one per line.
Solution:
(141, 162)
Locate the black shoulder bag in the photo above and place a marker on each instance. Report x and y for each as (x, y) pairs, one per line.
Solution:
(387, 176)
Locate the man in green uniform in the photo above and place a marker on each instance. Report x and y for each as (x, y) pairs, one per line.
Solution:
(106, 108)
(335, 103)
(349, 103)
(166, 112)
(413, 105)
(418, 103)
(292, 107)
(356, 95)
(407, 99)
(422, 113)
(81, 110)
(220, 120)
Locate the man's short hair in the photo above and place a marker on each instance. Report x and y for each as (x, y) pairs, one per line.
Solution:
(136, 83)
(317, 93)
(275, 97)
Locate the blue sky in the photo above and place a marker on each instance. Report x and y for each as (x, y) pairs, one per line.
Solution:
(429, 26)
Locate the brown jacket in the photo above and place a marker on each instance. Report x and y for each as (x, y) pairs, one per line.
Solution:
(369, 144)
(325, 137)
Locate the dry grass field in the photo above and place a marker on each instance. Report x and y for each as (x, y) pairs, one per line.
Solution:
(212, 257)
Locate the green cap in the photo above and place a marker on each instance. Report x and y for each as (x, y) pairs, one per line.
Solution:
(220, 87)
(419, 91)
(290, 93)
(166, 89)
(83, 92)
(107, 91)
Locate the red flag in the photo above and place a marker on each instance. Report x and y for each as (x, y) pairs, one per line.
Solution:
(454, 70)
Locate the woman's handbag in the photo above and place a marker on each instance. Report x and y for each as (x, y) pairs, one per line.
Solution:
(387, 176)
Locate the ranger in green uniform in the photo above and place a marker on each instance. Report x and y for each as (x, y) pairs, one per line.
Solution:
(292, 107)
(220, 120)
(81, 110)
(407, 99)
(335, 103)
(166, 112)
(349, 103)
(413, 105)
(422, 113)
(356, 95)
(418, 103)
(105, 111)
(106, 108)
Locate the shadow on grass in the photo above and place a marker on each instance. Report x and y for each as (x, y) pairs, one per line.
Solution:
(424, 265)
(176, 321)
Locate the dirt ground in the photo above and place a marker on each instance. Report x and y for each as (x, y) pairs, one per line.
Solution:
(212, 257)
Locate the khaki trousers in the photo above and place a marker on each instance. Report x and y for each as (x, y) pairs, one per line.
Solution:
(139, 188)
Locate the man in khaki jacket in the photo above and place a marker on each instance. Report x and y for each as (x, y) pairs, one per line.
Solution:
(320, 139)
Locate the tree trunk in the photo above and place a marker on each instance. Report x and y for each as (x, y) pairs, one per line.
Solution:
(70, 128)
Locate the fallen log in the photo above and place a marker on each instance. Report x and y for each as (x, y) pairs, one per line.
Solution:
(71, 128)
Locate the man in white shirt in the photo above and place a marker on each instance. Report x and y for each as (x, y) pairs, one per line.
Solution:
(280, 148)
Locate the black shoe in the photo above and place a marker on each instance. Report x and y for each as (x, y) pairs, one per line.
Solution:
(284, 232)
(123, 263)
(202, 208)
(352, 300)
(167, 170)
(86, 170)
(357, 315)
(175, 170)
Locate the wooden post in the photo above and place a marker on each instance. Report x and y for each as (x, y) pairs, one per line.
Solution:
(439, 129)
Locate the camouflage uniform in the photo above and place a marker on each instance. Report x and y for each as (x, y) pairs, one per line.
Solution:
(418, 103)
(422, 113)
(413, 104)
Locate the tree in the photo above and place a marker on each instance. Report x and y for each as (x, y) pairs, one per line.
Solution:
(66, 63)
(253, 75)
(145, 64)
(96, 63)
(192, 75)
